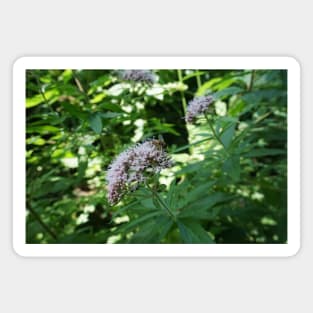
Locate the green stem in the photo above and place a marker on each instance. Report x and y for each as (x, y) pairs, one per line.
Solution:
(251, 80)
(80, 87)
(214, 132)
(182, 96)
(199, 83)
(157, 196)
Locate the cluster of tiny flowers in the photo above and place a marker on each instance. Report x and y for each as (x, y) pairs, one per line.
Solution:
(132, 166)
(144, 76)
(197, 106)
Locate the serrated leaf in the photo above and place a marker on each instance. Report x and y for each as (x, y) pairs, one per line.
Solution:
(154, 231)
(192, 232)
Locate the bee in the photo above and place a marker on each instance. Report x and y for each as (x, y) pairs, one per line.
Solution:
(159, 143)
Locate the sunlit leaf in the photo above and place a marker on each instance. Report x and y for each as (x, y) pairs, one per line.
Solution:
(40, 98)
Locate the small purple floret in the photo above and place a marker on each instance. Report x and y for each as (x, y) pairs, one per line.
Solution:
(196, 107)
(144, 76)
(132, 167)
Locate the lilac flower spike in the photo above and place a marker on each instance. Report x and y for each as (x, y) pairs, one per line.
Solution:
(144, 76)
(132, 167)
(197, 106)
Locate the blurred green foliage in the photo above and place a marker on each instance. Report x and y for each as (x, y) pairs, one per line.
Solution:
(78, 121)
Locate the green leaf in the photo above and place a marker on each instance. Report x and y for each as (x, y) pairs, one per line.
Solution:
(236, 107)
(171, 194)
(207, 86)
(125, 208)
(67, 75)
(112, 107)
(83, 164)
(31, 102)
(133, 224)
(98, 98)
(232, 167)
(111, 114)
(227, 92)
(38, 99)
(256, 97)
(74, 110)
(165, 223)
(192, 232)
(200, 191)
(185, 233)
(202, 209)
(194, 74)
(146, 234)
(176, 195)
(264, 152)
(157, 204)
(53, 187)
(35, 140)
(191, 144)
(149, 203)
(194, 167)
(42, 129)
(102, 81)
(95, 123)
(154, 231)
(228, 134)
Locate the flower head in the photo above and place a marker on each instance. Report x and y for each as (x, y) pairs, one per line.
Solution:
(197, 106)
(132, 167)
(138, 76)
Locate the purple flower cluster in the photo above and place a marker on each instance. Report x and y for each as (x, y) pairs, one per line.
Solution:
(197, 106)
(132, 167)
(144, 76)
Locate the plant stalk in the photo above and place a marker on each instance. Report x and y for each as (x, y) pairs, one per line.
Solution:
(182, 96)
(251, 80)
(157, 196)
(199, 83)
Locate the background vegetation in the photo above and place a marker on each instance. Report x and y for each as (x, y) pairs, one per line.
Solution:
(78, 121)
